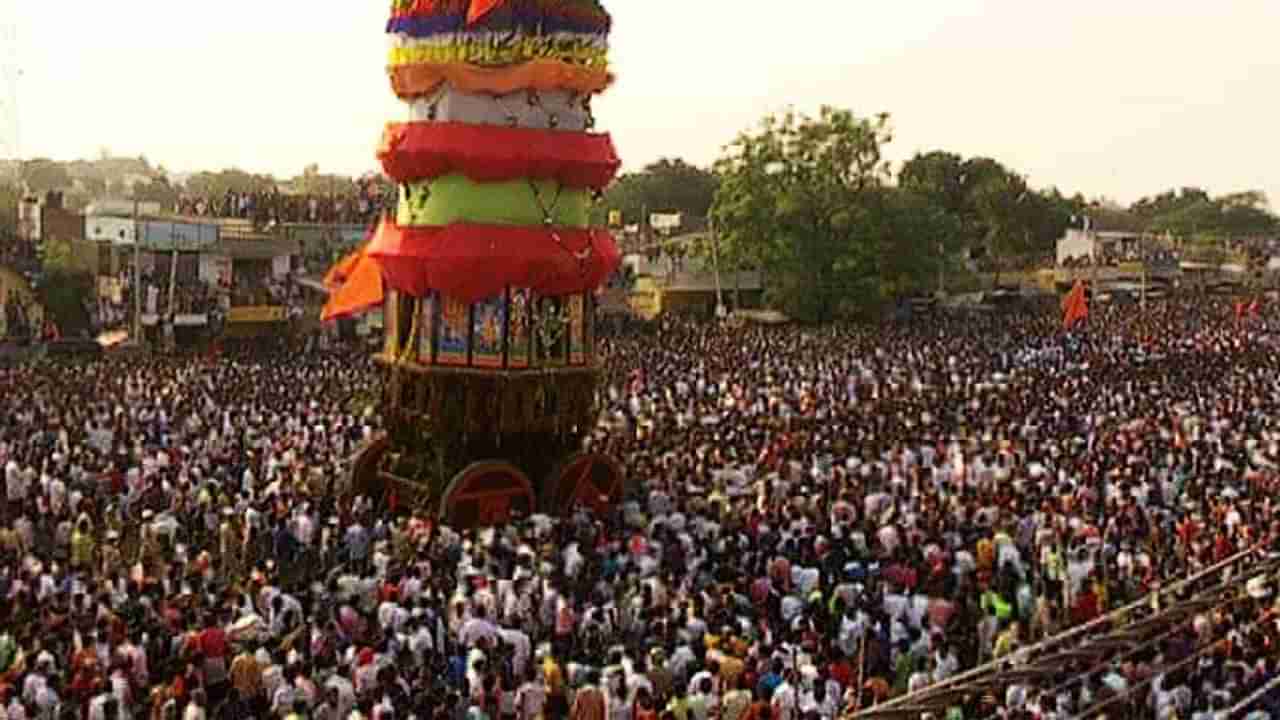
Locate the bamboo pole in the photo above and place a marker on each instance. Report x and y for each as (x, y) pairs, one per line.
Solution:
(1021, 655)
(862, 668)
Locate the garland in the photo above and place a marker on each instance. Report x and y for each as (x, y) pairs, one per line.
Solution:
(507, 13)
(457, 199)
(412, 81)
(487, 55)
(492, 154)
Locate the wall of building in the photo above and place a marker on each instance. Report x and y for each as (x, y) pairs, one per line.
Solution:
(1076, 243)
(59, 224)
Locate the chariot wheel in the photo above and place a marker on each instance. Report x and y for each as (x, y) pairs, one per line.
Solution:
(363, 477)
(487, 493)
(591, 479)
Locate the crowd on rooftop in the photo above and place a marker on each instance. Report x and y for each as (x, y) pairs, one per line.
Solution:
(348, 207)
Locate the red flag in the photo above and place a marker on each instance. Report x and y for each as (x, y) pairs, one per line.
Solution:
(1239, 309)
(1254, 307)
(480, 8)
(1075, 307)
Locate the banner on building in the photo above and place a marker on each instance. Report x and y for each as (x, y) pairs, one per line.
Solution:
(164, 236)
(256, 314)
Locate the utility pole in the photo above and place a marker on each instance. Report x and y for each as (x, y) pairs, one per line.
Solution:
(715, 264)
(137, 275)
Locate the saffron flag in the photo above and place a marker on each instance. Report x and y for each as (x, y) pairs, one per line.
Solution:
(1075, 307)
(355, 285)
(342, 269)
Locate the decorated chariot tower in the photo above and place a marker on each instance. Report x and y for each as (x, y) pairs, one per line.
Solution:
(490, 267)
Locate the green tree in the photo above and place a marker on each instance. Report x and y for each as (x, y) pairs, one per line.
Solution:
(9, 198)
(801, 193)
(1168, 202)
(939, 177)
(667, 186)
(314, 182)
(158, 190)
(42, 175)
(215, 184)
(918, 240)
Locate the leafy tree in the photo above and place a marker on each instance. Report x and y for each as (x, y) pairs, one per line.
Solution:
(939, 177)
(157, 190)
(990, 206)
(668, 185)
(1245, 214)
(94, 187)
(42, 175)
(9, 198)
(313, 182)
(1169, 202)
(215, 184)
(800, 194)
(918, 239)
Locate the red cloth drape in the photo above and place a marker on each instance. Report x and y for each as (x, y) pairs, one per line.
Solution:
(471, 262)
(491, 153)
(480, 8)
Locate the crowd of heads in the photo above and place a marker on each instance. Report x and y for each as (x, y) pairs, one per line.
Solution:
(819, 520)
(362, 205)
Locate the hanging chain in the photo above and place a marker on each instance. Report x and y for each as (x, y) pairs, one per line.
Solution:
(534, 100)
(581, 256)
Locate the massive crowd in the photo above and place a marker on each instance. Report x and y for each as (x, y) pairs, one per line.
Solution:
(823, 519)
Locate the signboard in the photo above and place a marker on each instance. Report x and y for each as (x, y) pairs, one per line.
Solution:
(455, 326)
(163, 236)
(488, 326)
(665, 221)
(256, 314)
(190, 320)
(118, 231)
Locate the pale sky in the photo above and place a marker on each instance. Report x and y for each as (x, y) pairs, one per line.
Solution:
(1116, 98)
